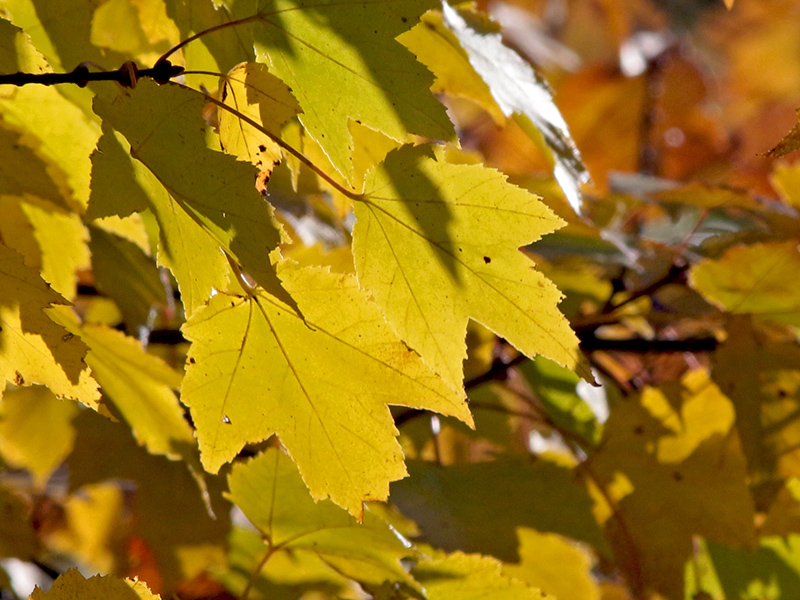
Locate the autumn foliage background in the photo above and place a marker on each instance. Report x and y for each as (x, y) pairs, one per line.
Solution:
(203, 322)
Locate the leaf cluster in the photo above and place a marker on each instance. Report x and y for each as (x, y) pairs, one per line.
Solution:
(332, 309)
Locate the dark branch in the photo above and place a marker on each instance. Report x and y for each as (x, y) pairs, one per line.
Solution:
(127, 75)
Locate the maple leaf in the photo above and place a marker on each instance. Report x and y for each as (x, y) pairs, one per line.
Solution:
(437, 243)
(272, 495)
(322, 385)
(33, 349)
(164, 127)
(320, 46)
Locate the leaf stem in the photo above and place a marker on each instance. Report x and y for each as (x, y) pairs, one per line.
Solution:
(257, 572)
(200, 34)
(350, 193)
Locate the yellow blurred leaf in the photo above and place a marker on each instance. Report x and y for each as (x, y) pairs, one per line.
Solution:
(759, 279)
(17, 536)
(36, 431)
(437, 244)
(460, 576)
(33, 349)
(684, 475)
(554, 565)
(321, 384)
(272, 495)
(72, 585)
(94, 527)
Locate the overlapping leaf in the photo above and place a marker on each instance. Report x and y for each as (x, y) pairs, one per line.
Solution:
(271, 493)
(322, 385)
(759, 279)
(252, 91)
(33, 349)
(522, 93)
(164, 126)
(460, 576)
(437, 244)
(673, 467)
(321, 46)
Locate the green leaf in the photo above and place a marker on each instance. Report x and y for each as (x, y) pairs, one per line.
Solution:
(478, 507)
(319, 46)
(33, 349)
(321, 384)
(461, 576)
(164, 126)
(123, 272)
(437, 244)
(523, 94)
(272, 495)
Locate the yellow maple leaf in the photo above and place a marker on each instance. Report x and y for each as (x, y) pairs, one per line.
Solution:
(437, 244)
(321, 384)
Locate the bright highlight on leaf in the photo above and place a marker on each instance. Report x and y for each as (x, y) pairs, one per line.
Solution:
(342, 63)
(437, 244)
(272, 495)
(322, 385)
(33, 349)
(524, 95)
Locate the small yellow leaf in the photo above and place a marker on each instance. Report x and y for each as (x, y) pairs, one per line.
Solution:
(437, 244)
(460, 576)
(71, 585)
(252, 91)
(33, 349)
(36, 431)
(321, 384)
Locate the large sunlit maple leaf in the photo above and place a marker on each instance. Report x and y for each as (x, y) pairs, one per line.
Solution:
(321, 384)
(438, 244)
(342, 63)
